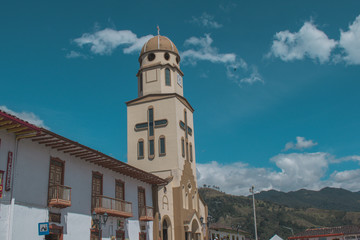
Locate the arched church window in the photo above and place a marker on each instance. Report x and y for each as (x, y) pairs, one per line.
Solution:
(167, 56)
(191, 153)
(141, 148)
(151, 132)
(151, 57)
(167, 77)
(162, 149)
(183, 147)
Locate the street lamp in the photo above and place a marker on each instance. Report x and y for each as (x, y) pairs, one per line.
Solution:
(99, 220)
(252, 191)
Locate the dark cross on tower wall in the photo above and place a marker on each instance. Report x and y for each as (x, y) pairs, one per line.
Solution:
(188, 131)
(150, 125)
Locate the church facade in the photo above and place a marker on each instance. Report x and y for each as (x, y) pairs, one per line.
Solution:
(161, 141)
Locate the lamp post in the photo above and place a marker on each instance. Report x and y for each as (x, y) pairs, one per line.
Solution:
(253, 198)
(208, 220)
(99, 220)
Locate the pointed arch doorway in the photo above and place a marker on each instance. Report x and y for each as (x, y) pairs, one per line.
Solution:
(166, 229)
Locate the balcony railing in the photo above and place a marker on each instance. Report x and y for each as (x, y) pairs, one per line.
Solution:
(59, 196)
(112, 206)
(146, 213)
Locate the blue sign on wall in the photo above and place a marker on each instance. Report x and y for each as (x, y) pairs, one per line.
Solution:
(44, 228)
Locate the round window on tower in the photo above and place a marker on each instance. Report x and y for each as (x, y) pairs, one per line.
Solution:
(177, 60)
(151, 57)
(167, 56)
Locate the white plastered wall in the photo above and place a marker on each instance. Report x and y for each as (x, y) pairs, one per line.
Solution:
(30, 194)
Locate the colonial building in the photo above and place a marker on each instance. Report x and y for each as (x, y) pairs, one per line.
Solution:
(47, 178)
(161, 140)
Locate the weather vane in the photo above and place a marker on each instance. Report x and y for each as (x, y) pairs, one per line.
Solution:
(158, 28)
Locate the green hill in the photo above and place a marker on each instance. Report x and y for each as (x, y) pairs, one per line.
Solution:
(272, 218)
(326, 198)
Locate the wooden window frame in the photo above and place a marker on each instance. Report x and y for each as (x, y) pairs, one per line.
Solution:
(141, 188)
(121, 232)
(118, 181)
(166, 82)
(142, 233)
(62, 162)
(96, 173)
(138, 148)
(160, 153)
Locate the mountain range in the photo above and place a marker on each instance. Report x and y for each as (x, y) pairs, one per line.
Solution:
(283, 213)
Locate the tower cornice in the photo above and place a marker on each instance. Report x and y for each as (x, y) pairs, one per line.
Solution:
(157, 64)
(161, 96)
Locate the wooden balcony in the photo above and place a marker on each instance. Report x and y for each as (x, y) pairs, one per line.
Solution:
(59, 196)
(146, 213)
(112, 206)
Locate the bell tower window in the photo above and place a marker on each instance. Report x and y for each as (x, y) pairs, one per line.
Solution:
(141, 84)
(150, 126)
(167, 77)
(140, 149)
(182, 147)
(151, 57)
(162, 149)
(191, 153)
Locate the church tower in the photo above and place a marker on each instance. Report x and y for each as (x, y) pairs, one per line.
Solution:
(161, 133)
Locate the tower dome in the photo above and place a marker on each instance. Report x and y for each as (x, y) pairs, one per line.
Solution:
(159, 43)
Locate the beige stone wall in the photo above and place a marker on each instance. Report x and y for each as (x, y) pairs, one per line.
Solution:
(153, 74)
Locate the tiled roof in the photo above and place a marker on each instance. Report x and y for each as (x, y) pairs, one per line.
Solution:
(23, 129)
(328, 231)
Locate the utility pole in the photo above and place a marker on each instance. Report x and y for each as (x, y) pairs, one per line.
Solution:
(252, 191)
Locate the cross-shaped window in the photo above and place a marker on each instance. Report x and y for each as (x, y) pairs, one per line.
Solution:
(188, 131)
(150, 125)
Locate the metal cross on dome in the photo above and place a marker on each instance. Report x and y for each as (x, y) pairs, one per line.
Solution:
(150, 125)
(158, 29)
(188, 131)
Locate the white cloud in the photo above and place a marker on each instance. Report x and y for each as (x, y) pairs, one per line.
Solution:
(201, 49)
(204, 51)
(301, 143)
(104, 42)
(206, 20)
(75, 54)
(295, 171)
(26, 116)
(350, 42)
(307, 42)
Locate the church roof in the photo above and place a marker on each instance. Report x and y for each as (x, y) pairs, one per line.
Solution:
(159, 43)
(23, 129)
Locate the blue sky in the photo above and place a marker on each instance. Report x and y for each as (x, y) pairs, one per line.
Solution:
(275, 84)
